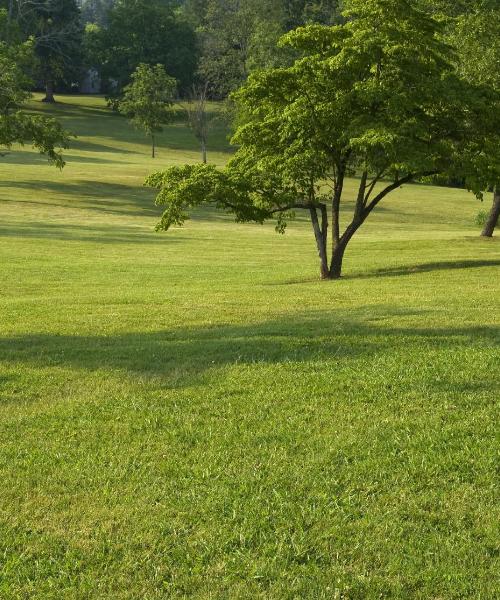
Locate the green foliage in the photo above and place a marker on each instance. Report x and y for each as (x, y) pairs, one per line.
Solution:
(146, 31)
(475, 37)
(96, 11)
(378, 96)
(481, 218)
(182, 188)
(92, 44)
(237, 37)
(16, 126)
(472, 28)
(148, 99)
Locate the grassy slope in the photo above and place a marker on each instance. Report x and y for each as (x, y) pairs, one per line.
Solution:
(194, 415)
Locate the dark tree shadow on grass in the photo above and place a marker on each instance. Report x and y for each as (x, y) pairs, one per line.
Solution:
(64, 109)
(96, 147)
(180, 355)
(32, 158)
(429, 267)
(86, 233)
(399, 271)
(131, 200)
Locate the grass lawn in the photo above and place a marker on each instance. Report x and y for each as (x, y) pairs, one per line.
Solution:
(196, 415)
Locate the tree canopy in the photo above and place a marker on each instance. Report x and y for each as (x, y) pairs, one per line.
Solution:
(56, 30)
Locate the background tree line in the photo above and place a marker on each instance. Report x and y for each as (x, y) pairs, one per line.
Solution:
(217, 41)
(214, 42)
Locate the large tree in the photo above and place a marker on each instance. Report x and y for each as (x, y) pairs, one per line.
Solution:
(377, 97)
(16, 125)
(473, 29)
(146, 31)
(477, 38)
(55, 26)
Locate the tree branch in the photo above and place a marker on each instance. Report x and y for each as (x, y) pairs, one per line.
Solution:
(373, 183)
(394, 186)
(305, 206)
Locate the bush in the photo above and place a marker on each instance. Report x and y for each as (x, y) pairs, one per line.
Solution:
(481, 218)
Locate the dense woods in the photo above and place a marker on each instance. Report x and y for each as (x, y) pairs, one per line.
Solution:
(218, 42)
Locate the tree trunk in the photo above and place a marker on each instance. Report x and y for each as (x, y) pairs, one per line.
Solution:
(49, 92)
(337, 259)
(340, 248)
(320, 235)
(204, 152)
(492, 221)
(153, 146)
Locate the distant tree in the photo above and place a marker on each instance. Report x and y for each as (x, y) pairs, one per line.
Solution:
(9, 26)
(300, 12)
(237, 37)
(193, 11)
(91, 45)
(224, 38)
(148, 99)
(377, 96)
(17, 126)
(56, 29)
(146, 31)
(198, 116)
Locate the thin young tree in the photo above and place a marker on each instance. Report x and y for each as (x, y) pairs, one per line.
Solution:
(148, 100)
(199, 117)
(377, 97)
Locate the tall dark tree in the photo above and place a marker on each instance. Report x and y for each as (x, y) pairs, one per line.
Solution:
(56, 28)
(474, 31)
(146, 31)
(477, 39)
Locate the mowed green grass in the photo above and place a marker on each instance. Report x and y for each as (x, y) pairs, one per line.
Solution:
(196, 415)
